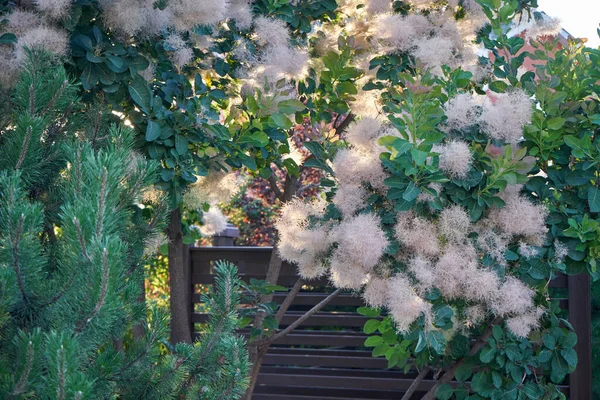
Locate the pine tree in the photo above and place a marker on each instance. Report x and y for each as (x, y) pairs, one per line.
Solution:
(72, 237)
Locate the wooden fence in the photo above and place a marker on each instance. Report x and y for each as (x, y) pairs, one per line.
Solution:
(325, 359)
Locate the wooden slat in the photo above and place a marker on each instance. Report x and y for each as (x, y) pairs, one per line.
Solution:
(311, 298)
(317, 393)
(318, 319)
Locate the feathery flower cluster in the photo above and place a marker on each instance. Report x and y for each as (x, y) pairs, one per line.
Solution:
(462, 112)
(180, 53)
(520, 218)
(278, 59)
(299, 241)
(55, 9)
(502, 116)
(213, 222)
(140, 17)
(356, 254)
(505, 114)
(455, 158)
(32, 32)
(216, 187)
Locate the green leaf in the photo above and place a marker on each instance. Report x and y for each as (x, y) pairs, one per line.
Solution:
(291, 166)
(498, 86)
(181, 144)
(444, 392)
(93, 58)
(282, 121)
(373, 341)
(290, 106)
(421, 343)
(346, 88)
(479, 382)
(570, 356)
(559, 369)
(411, 192)
(487, 354)
(380, 350)
(556, 123)
(256, 138)
(152, 131)
(368, 312)
(371, 326)
(390, 336)
(594, 199)
(8, 38)
(464, 372)
(419, 156)
(89, 77)
(140, 93)
(167, 174)
(437, 341)
(549, 341)
(497, 332)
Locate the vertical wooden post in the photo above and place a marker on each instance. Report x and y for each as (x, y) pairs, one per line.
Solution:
(227, 237)
(179, 282)
(187, 262)
(580, 381)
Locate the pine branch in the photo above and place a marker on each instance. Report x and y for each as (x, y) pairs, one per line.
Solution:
(22, 383)
(60, 387)
(31, 100)
(101, 297)
(101, 205)
(24, 148)
(81, 239)
(449, 375)
(55, 98)
(16, 260)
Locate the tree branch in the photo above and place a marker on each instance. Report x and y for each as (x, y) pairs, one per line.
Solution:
(275, 188)
(287, 302)
(347, 121)
(415, 384)
(449, 375)
(303, 318)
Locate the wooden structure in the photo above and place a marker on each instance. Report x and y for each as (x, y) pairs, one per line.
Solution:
(325, 359)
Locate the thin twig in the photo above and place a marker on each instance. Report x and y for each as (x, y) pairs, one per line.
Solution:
(287, 302)
(415, 384)
(449, 375)
(303, 318)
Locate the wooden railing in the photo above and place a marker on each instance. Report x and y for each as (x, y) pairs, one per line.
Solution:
(325, 359)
